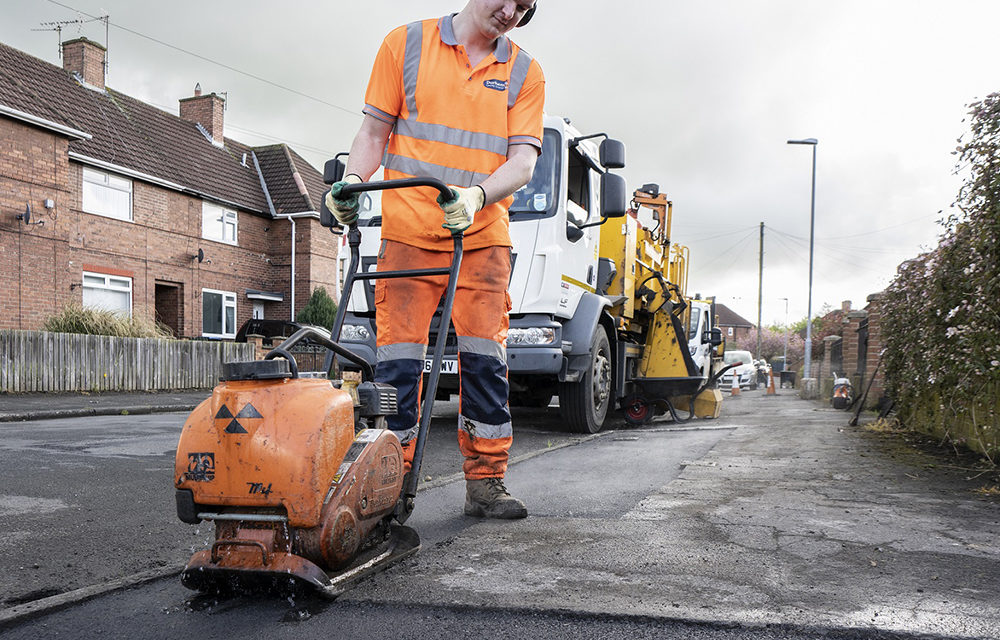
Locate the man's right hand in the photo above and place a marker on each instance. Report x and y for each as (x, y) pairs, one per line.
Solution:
(345, 210)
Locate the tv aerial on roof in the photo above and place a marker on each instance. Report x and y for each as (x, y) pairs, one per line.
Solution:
(57, 26)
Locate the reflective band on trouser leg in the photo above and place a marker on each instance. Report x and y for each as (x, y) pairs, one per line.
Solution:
(484, 428)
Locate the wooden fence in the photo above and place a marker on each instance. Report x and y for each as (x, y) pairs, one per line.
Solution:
(44, 361)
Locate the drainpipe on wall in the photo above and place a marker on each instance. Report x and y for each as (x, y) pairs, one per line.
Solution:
(284, 216)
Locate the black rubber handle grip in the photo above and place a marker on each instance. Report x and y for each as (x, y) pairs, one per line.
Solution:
(381, 185)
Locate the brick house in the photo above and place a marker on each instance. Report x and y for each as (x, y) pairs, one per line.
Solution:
(733, 325)
(106, 201)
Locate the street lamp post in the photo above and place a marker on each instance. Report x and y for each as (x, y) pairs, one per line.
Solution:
(784, 366)
(812, 225)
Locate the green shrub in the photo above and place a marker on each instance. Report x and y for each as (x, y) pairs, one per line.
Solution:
(100, 322)
(940, 324)
(321, 310)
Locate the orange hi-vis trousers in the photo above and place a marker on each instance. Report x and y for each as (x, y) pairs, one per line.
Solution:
(403, 311)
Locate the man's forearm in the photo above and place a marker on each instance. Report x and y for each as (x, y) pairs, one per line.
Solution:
(367, 148)
(511, 175)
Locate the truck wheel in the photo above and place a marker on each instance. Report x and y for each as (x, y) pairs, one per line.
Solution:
(584, 404)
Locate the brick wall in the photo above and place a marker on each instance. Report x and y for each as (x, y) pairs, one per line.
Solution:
(875, 345)
(33, 169)
(85, 58)
(206, 111)
(41, 265)
(852, 322)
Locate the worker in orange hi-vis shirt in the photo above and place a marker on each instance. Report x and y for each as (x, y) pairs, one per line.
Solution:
(451, 98)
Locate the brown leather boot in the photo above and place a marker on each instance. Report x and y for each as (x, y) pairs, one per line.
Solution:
(488, 498)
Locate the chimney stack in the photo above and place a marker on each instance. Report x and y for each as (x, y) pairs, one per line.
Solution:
(206, 111)
(845, 306)
(85, 59)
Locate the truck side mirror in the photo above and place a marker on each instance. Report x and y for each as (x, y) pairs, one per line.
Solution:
(326, 218)
(715, 337)
(613, 196)
(333, 170)
(612, 154)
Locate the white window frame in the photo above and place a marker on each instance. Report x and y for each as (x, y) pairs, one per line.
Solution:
(118, 284)
(219, 223)
(228, 301)
(110, 182)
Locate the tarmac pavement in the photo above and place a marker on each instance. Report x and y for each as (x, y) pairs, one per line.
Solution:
(17, 407)
(791, 517)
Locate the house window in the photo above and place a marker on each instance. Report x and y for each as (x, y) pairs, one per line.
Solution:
(107, 195)
(218, 314)
(218, 223)
(729, 331)
(258, 310)
(109, 293)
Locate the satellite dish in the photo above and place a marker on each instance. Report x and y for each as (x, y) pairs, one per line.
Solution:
(201, 255)
(26, 216)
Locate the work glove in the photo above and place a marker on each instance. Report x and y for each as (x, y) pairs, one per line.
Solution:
(460, 211)
(345, 210)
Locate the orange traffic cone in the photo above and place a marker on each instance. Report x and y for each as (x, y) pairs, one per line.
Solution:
(770, 384)
(735, 390)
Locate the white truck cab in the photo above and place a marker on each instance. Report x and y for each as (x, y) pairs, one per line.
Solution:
(562, 339)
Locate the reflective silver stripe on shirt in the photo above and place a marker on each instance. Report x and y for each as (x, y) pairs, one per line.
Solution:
(483, 347)
(402, 351)
(411, 64)
(448, 175)
(448, 135)
(477, 429)
(518, 74)
(532, 140)
(377, 113)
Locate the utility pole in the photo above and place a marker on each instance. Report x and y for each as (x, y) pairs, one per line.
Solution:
(760, 286)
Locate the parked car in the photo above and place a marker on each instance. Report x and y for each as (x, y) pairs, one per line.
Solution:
(309, 355)
(271, 328)
(746, 373)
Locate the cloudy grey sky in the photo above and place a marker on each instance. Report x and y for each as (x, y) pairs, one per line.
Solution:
(704, 95)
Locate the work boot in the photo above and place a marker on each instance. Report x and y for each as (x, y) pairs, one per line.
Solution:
(488, 498)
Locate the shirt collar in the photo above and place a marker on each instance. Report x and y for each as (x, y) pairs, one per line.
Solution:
(501, 52)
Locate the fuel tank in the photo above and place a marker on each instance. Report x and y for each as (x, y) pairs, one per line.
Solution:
(266, 444)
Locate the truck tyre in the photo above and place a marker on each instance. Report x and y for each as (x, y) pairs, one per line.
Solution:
(584, 404)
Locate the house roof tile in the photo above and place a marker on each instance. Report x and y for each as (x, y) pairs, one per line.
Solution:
(729, 318)
(129, 133)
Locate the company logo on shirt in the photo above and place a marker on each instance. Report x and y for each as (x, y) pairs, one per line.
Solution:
(496, 85)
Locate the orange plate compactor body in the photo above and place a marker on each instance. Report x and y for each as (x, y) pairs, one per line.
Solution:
(293, 490)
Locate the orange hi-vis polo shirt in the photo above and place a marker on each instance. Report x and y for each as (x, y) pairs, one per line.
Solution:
(452, 122)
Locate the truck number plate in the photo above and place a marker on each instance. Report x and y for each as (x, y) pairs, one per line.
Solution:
(447, 366)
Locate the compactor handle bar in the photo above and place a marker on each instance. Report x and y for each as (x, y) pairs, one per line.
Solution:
(405, 505)
(381, 185)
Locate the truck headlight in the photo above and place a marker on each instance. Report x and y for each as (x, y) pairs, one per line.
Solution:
(531, 335)
(355, 333)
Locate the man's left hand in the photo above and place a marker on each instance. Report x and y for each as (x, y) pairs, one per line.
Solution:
(460, 211)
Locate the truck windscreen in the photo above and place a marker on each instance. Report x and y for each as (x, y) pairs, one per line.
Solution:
(539, 197)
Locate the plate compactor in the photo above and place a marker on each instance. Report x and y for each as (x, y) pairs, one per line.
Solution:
(304, 483)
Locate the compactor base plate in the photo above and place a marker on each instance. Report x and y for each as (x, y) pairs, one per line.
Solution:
(286, 573)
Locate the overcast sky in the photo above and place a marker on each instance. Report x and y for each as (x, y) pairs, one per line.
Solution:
(704, 96)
